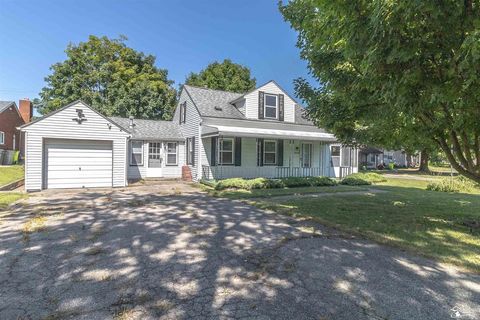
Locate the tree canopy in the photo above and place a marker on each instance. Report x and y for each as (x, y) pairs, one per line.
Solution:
(224, 75)
(404, 68)
(114, 79)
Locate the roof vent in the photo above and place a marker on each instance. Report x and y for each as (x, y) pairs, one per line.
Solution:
(130, 122)
(218, 108)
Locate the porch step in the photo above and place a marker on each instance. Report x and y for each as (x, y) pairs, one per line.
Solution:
(186, 173)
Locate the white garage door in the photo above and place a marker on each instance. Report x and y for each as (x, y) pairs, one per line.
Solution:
(78, 163)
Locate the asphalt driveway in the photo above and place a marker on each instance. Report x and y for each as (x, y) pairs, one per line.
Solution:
(172, 252)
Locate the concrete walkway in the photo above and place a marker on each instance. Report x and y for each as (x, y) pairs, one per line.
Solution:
(172, 252)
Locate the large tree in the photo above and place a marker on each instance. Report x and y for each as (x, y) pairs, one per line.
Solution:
(224, 75)
(114, 79)
(397, 65)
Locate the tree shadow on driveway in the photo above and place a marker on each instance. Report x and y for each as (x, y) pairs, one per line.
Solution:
(138, 254)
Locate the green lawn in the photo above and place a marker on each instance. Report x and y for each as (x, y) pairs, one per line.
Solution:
(7, 198)
(266, 193)
(10, 174)
(406, 215)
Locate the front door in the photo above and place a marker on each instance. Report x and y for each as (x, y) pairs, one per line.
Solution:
(154, 169)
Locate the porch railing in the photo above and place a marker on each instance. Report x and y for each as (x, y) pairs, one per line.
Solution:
(225, 172)
(345, 171)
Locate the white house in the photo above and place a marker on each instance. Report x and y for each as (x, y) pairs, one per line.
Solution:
(371, 158)
(213, 135)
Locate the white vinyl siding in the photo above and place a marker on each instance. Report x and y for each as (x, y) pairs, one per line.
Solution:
(251, 102)
(191, 128)
(61, 126)
(168, 171)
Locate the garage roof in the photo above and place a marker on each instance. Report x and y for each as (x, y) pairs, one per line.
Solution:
(150, 129)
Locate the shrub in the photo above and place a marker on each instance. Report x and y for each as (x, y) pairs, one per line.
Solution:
(391, 166)
(264, 183)
(274, 184)
(293, 182)
(458, 184)
(355, 181)
(232, 183)
(369, 176)
(322, 181)
(209, 183)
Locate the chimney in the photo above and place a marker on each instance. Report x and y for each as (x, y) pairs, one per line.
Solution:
(25, 107)
(130, 125)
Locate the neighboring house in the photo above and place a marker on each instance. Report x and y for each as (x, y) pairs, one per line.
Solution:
(213, 135)
(12, 117)
(371, 157)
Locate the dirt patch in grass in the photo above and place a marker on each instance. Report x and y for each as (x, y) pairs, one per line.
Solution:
(124, 314)
(34, 224)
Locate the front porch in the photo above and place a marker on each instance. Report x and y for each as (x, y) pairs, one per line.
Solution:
(247, 157)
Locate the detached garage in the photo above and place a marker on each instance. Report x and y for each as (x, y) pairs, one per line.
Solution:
(75, 147)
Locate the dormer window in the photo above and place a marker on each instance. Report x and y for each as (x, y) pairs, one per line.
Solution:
(271, 106)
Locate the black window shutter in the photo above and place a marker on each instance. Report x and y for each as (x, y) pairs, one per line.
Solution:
(180, 118)
(187, 149)
(184, 113)
(193, 149)
(280, 153)
(281, 108)
(213, 161)
(260, 152)
(238, 151)
(261, 97)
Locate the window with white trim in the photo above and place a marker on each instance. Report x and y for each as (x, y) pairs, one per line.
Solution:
(190, 154)
(270, 152)
(172, 154)
(270, 105)
(136, 153)
(2, 137)
(307, 155)
(226, 151)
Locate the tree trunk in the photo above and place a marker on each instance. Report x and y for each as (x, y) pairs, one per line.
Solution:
(424, 157)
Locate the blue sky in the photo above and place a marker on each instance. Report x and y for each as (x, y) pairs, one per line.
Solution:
(184, 36)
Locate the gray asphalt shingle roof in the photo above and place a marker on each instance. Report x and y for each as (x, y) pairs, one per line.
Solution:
(5, 104)
(300, 117)
(207, 99)
(150, 129)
